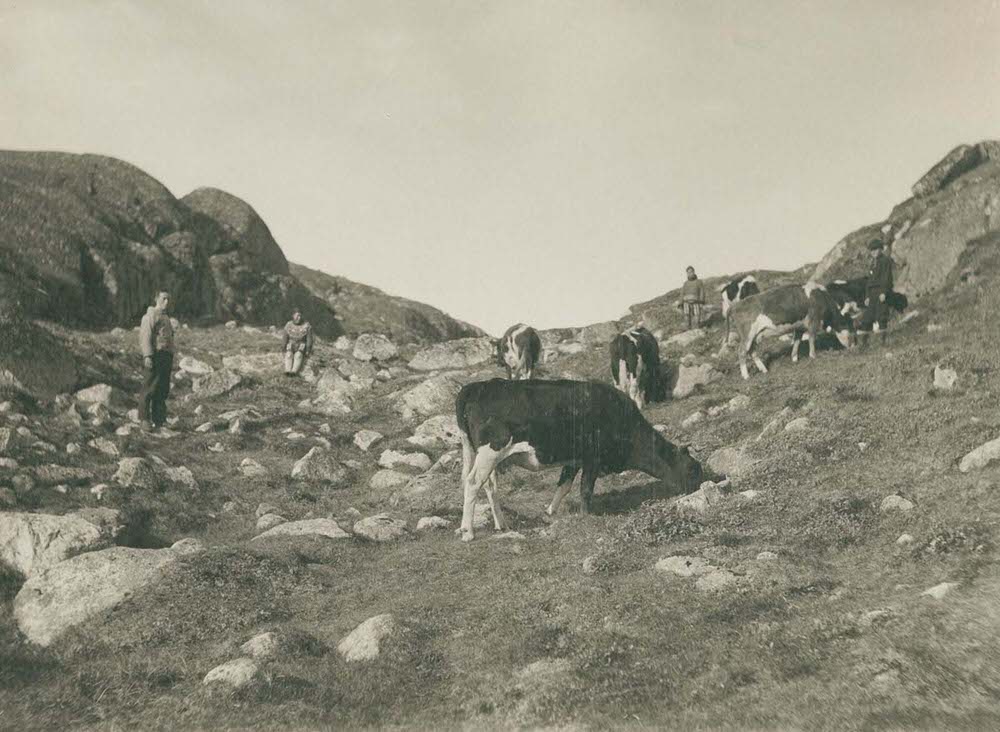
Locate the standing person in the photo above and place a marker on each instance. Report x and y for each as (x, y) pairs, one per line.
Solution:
(693, 298)
(877, 288)
(297, 343)
(156, 340)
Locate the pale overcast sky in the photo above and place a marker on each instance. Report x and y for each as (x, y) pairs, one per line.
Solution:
(542, 161)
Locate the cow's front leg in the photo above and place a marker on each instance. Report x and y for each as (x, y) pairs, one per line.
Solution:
(796, 342)
(492, 488)
(485, 463)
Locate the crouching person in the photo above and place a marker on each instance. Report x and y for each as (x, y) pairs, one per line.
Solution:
(297, 343)
(156, 341)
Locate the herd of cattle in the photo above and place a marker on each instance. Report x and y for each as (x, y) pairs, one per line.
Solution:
(592, 428)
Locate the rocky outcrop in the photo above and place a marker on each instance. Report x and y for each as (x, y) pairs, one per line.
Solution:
(457, 354)
(955, 204)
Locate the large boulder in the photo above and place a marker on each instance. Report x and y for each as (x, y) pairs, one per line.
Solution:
(66, 594)
(31, 542)
(260, 364)
(431, 397)
(692, 378)
(440, 431)
(374, 347)
(457, 354)
(217, 383)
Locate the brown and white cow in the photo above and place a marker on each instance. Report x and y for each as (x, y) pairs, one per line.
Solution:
(519, 350)
(584, 426)
(735, 291)
(793, 309)
(635, 366)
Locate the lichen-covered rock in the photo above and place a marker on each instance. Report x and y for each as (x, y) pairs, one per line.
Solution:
(380, 527)
(457, 354)
(387, 479)
(321, 465)
(437, 432)
(31, 542)
(433, 396)
(374, 347)
(217, 383)
(364, 439)
(307, 527)
(692, 378)
(234, 674)
(982, 456)
(394, 459)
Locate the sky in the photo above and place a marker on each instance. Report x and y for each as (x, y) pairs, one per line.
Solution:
(537, 161)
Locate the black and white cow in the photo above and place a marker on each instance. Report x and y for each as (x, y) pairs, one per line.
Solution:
(733, 292)
(635, 366)
(850, 296)
(793, 309)
(583, 426)
(519, 350)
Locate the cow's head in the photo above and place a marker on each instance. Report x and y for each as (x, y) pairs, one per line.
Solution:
(689, 471)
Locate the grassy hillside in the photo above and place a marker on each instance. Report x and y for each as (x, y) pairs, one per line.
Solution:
(816, 619)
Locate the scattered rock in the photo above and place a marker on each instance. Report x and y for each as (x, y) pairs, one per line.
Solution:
(187, 545)
(436, 395)
(395, 459)
(56, 474)
(981, 456)
(260, 364)
(455, 354)
(70, 592)
(343, 343)
(895, 503)
(72, 448)
(797, 425)
(216, 447)
(692, 419)
(307, 527)
(934, 327)
(905, 540)
(217, 383)
(738, 402)
(262, 646)
(269, 521)
(231, 324)
(9, 464)
(729, 461)
(349, 368)
(104, 445)
(380, 527)
(708, 494)
(250, 468)
(427, 523)
(7, 439)
(717, 580)
(365, 641)
(369, 347)
(234, 674)
(31, 542)
(195, 367)
(511, 535)
(766, 556)
(945, 379)
(97, 394)
(364, 439)
(938, 592)
(387, 479)
(685, 338)
(264, 508)
(684, 566)
(693, 378)
(599, 333)
(321, 465)
(437, 432)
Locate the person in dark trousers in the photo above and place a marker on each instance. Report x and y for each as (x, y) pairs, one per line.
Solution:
(156, 340)
(296, 343)
(878, 287)
(693, 298)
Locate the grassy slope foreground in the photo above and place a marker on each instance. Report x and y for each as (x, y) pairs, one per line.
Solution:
(818, 622)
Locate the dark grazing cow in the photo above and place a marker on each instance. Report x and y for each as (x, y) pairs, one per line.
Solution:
(735, 291)
(580, 425)
(519, 351)
(850, 296)
(635, 366)
(787, 309)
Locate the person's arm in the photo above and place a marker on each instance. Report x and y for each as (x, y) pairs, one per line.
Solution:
(146, 340)
(284, 339)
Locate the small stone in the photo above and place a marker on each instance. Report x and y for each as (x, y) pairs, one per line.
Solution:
(895, 503)
(72, 448)
(237, 673)
(380, 528)
(692, 419)
(9, 464)
(766, 556)
(187, 545)
(717, 580)
(934, 327)
(365, 641)
(748, 495)
(738, 402)
(862, 446)
(427, 523)
(797, 425)
(325, 428)
(386, 479)
(104, 445)
(591, 565)
(981, 456)
(394, 458)
(364, 439)
(511, 535)
(905, 540)
(99, 490)
(204, 427)
(938, 592)
(217, 447)
(945, 379)
(261, 646)
(231, 324)
(250, 468)
(307, 527)
(295, 436)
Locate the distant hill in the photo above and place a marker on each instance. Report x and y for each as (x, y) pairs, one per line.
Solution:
(87, 241)
(364, 309)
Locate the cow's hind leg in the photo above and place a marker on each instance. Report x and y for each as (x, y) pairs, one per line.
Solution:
(587, 481)
(562, 488)
(492, 494)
